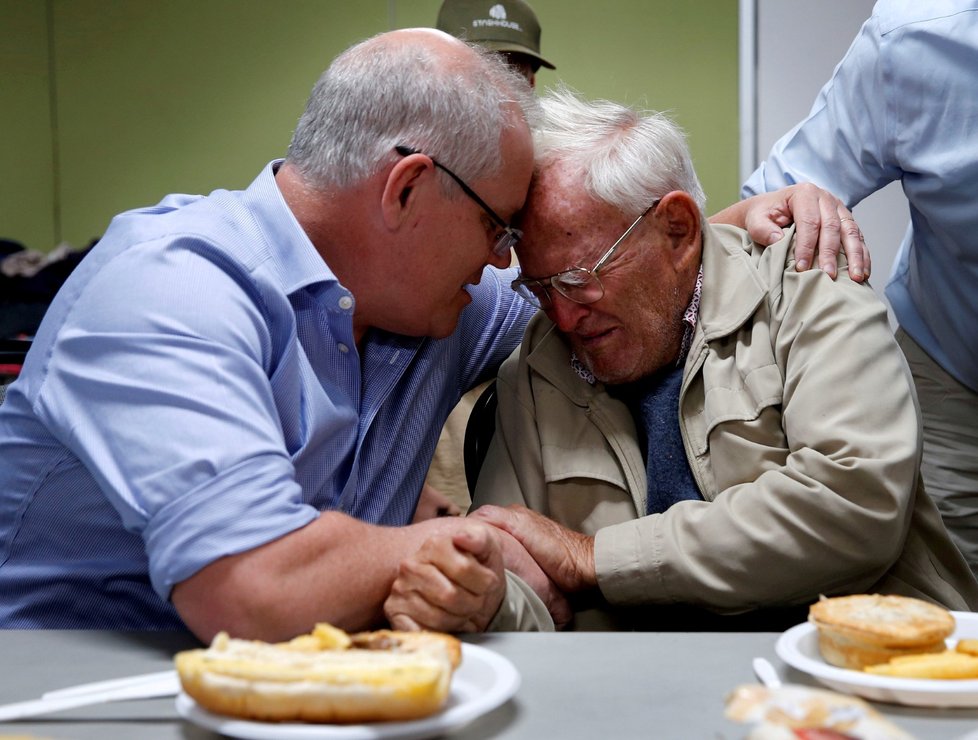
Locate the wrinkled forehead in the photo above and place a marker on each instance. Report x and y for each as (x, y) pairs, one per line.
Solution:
(563, 226)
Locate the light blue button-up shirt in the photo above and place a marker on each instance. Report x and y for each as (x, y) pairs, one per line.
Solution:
(903, 105)
(195, 391)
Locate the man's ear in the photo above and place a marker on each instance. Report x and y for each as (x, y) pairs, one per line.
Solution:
(400, 195)
(679, 219)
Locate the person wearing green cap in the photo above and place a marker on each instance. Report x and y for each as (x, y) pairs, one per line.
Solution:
(509, 27)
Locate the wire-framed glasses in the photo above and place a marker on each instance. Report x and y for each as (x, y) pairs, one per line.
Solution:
(577, 284)
(510, 235)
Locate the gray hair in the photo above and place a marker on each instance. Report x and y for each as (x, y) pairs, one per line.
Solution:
(378, 95)
(627, 158)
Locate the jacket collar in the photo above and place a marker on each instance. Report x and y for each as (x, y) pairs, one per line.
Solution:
(550, 356)
(732, 289)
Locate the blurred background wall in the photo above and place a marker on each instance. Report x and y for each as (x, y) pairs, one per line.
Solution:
(107, 105)
(788, 71)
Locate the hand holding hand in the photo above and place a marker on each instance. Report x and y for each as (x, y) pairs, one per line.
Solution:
(566, 556)
(454, 583)
(520, 562)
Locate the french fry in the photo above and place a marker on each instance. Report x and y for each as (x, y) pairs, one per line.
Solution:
(947, 665)
(967, 646)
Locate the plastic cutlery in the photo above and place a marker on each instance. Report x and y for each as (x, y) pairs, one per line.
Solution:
(765, 671)
(164, 678)
(136, 687)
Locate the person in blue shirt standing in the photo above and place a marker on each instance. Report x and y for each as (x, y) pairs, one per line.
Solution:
(226, 417)
(903, 105)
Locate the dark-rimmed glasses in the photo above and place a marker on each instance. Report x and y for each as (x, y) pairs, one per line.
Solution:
(510, 236)
(577, 284)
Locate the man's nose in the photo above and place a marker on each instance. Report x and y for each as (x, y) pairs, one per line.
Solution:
(501, 261)
(565, 313)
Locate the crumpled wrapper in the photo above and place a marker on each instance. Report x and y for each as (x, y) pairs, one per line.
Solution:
(787, 712)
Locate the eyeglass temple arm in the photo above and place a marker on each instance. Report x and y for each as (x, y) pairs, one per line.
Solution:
(607, 255)
(406, 150)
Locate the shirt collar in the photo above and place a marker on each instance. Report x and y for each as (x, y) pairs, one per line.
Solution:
(289, 252)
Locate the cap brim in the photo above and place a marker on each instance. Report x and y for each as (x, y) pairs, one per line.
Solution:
(515, 48)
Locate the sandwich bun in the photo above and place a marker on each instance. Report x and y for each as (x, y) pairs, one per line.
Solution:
(325, 676)
(867, 629)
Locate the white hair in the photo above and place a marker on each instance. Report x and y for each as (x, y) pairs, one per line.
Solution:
(378, 95)
(627, 158)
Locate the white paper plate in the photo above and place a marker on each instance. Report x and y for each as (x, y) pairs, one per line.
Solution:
(798, 647)
(483, 681)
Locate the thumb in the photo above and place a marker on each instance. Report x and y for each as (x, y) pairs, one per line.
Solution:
(766, 226)
(477, 540)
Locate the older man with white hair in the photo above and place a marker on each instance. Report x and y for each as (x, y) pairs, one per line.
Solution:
(691, 426)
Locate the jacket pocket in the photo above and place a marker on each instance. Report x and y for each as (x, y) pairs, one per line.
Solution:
(736, 397)
(587, 489)
(597, 464)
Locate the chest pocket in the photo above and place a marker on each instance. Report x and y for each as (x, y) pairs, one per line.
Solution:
(586, 488)
(594, 472)
(750, 403)
(594, 462)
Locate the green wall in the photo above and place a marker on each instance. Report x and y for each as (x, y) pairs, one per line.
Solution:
(27, 184)
(111, 104)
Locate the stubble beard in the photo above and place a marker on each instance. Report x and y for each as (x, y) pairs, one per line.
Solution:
(658, 344)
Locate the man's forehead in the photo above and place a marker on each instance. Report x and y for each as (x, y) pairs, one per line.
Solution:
(561, 203)
(513, 179)
(552, 200)
(564, 228)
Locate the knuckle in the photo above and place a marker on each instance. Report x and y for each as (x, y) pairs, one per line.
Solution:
(811, 221)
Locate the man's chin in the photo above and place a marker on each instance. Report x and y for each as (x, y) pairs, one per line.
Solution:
(604, 369)
(444, 327)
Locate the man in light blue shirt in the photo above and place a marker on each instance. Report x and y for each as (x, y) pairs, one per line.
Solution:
(903, 105)
(229, 409)
(224, 368)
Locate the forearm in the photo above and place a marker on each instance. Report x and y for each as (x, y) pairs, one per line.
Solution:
(734, 215)
(768, 543)
(336, 569)
(522, 609)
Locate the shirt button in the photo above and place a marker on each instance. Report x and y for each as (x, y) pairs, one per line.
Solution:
(342, 348)
(346, 303)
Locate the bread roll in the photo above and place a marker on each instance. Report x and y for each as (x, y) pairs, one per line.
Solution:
(867, 629)
(326, 676)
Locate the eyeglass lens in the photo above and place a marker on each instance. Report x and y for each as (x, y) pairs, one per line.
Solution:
(577, 284)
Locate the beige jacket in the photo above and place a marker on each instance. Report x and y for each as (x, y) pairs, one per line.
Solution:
(802, 430)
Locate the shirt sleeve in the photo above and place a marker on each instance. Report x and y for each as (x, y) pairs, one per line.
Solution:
(169, 405)
(522, 610)
(845, 145)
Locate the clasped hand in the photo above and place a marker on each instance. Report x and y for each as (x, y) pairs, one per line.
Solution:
(456, 581)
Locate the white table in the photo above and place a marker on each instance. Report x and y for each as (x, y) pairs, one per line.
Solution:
(611, 686)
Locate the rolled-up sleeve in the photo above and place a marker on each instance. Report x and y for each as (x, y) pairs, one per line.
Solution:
(171, 409)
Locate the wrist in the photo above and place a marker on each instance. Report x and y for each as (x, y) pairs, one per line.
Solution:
(587, 571)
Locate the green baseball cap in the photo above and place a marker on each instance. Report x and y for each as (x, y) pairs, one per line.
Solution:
(503, 25)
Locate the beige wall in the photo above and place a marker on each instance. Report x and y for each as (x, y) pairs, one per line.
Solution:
(111, 104)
